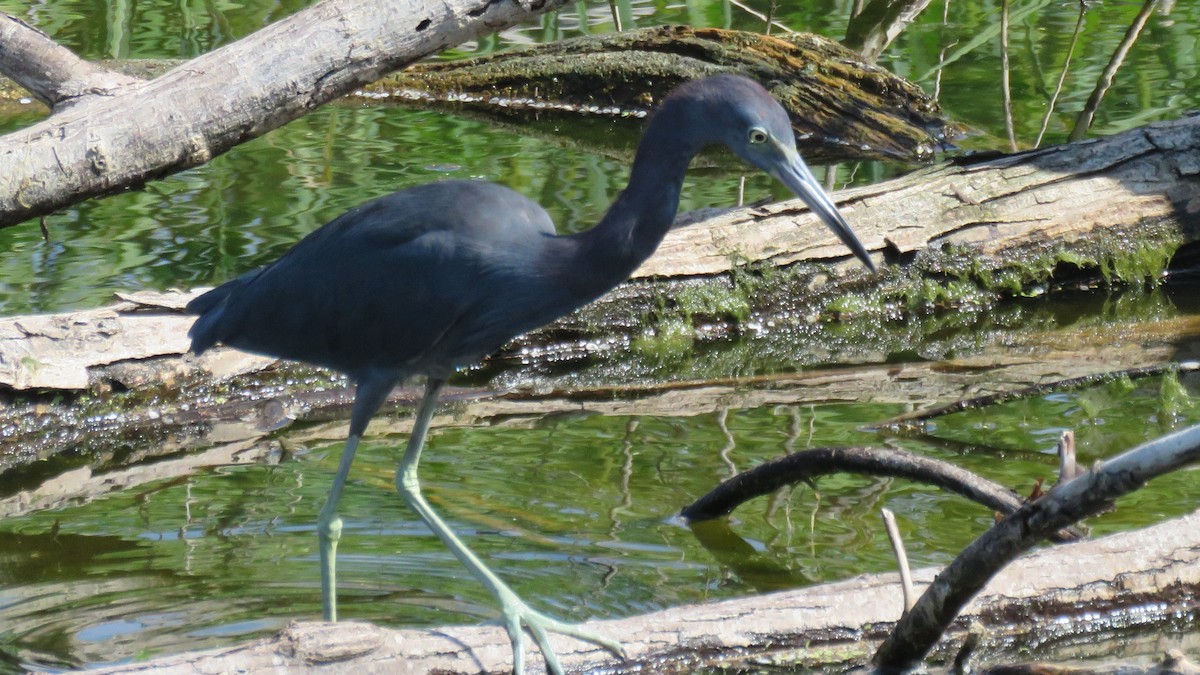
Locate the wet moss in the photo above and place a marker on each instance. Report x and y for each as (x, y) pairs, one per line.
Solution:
(1173, 397)
(723, 300)
(669, 339)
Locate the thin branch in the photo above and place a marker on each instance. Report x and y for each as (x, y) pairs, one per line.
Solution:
(616, 15)
(1083, 6)
(808, 464)
(1084, 121)
(1005, 84)
(1066, 457)
(759, 15)
(1090, 493)
(906, 584)
(871, 31)
(937, 80)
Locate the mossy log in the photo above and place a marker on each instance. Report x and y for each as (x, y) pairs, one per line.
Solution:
(1065, 590)
(841, 105)
(174, 421)
(959, 235)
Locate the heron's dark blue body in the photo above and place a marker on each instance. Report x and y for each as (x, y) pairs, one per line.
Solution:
(434, 278)
(420, 281)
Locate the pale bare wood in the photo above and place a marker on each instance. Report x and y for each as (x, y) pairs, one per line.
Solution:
(1057, 589)
(50, 72)
(206, 106)
(1059, 196)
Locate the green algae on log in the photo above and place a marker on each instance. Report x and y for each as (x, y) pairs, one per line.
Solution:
(842, 106)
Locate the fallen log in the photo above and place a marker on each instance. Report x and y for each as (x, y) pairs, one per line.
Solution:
(228, 420)
(1078, 588)
(966, 233)
(841, 106)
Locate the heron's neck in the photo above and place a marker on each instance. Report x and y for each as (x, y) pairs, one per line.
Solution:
(638, 220)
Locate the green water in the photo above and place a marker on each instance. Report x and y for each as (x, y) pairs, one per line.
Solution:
(576, 511)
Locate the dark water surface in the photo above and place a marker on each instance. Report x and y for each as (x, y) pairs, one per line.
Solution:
(575, 511)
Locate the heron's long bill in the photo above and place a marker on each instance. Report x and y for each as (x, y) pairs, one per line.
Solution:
(801, 181)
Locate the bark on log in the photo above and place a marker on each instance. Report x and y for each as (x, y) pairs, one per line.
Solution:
(216, 101)
(1075, 587)
(966, 233)
(51, 73)
(841, 106)
(962, 232)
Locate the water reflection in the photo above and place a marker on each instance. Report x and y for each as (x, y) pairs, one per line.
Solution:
(576, 509)
(576, 512)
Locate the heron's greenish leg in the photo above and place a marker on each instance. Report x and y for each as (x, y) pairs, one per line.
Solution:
(370, 394)
(516, 614)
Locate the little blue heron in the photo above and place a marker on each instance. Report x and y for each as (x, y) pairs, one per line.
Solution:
(434, 278)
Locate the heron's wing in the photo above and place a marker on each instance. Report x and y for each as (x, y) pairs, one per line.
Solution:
(379, 286)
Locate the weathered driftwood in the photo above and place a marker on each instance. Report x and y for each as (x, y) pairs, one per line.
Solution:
(849, 108)
(1076, 588)
(208, 105)
(965, 232)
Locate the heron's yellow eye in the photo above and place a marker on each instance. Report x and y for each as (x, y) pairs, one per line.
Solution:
(758, 135)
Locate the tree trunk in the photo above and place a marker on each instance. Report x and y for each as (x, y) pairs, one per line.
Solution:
(216, 101)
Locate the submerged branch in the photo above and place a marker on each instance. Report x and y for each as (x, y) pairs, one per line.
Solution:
(917, 418)
(890, 462)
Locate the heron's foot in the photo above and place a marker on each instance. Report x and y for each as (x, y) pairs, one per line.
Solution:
(518, 616)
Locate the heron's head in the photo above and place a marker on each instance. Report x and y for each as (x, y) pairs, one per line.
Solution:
(741, 114)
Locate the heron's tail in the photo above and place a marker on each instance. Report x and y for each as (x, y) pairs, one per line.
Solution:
(213, 322)
(204, 332)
